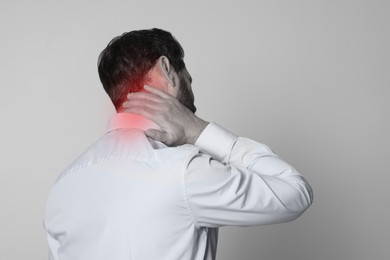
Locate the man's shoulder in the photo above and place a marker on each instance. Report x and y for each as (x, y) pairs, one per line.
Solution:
(127, 147)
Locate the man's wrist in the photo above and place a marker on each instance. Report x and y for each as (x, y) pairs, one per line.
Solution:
(198, 128)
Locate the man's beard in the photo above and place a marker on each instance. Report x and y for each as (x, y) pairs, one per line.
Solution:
(186, 97)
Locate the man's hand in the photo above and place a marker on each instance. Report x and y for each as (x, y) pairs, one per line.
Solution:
(179, 124)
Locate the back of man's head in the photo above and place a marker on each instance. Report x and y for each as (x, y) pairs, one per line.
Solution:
(126, 60)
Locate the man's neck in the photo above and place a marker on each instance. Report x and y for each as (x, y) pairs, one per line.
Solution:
(130, 120)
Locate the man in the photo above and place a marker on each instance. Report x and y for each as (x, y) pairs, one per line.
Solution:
(161, 181)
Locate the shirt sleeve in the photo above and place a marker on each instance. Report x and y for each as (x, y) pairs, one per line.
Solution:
(53, 245)
(238, 182)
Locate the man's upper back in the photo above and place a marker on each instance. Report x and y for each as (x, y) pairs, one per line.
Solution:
(124, 199)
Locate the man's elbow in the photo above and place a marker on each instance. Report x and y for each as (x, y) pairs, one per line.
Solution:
(300, 199)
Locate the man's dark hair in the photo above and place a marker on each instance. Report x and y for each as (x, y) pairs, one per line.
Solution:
(125, 61)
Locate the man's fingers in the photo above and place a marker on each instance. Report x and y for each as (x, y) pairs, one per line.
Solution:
(134, 102)
(143, 111)
(156, 91)
(144, 95)
(152, 93)
(158, 136)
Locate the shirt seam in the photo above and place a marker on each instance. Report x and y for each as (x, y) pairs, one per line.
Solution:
(184, 189)
(231, 150)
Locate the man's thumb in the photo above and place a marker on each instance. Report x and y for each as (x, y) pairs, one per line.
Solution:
(157, 135)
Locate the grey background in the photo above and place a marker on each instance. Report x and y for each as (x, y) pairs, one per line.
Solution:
(308, 78)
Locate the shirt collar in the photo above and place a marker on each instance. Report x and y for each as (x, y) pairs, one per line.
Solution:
(129, 120)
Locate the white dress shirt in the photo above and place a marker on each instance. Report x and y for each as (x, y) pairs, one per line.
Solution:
(129, 197)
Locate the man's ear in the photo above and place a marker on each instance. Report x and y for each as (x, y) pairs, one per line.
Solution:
(167, 70)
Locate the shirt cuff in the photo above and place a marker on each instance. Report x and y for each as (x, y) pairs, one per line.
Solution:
(216, 141)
